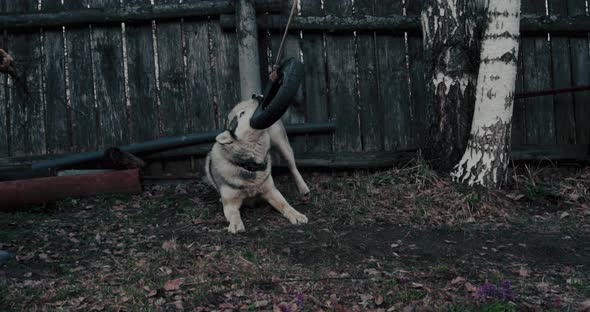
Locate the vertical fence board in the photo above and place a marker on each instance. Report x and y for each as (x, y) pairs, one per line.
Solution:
(170, 60)
(4, 109)
(200, 92)
(85, 127)
(292, 49)
(141, 70)
(393, 76)
(27, 113)
(4, 150)
(225, 49)
(581, 76)
(537, 76)
(417, 68)
(315, 88)
(58, 114)
(107, 56)
(565, 122)
(342, 81)
(371, 108)
(518, 133)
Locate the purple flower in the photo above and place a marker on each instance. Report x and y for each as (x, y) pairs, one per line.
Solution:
(485, 291)
(507, 294)
(300, 301)
(285, 308)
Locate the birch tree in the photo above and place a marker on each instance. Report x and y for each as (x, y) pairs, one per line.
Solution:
(485, 160)
(452, 51)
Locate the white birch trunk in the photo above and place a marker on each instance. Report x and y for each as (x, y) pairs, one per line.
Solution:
(486, 158)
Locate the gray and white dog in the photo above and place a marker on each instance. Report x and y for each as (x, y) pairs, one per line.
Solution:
(239, 164)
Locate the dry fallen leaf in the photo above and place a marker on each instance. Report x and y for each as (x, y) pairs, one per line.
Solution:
(523, 272)
(371, 271)
(261, 304)
(585, 306)
(458, 281)
(470, 287)
(417, 285)
(169, 245)
(379, 300)
(152, 293)
(173, 284)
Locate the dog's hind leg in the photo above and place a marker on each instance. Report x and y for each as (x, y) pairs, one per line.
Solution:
(278, 137)
(276, 199)
(232, 201)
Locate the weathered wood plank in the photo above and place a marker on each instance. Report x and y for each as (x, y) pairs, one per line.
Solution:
(200, 89)
(580, 58)
(171, 73)
(83, 16)
(292, 49)
(4, 116)
(80, 84)
(537, 76)
(393, 81)
(4, 109)
(372, 110)
(417, 66)
(315, 88)
(143, 96)
(27, 115)
(565, 123)
(225, 51)
(107, 57)
(58, 114)
(518, 133)
(340, 51)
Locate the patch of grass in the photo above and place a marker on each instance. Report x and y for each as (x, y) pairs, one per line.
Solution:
(487, 307)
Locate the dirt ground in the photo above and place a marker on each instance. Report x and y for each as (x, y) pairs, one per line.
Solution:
(403, 239)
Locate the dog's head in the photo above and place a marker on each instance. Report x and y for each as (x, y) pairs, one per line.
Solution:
(237, 126)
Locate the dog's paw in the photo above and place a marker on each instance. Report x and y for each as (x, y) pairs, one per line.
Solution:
(306, 197)
(235, 228)
(297, 218)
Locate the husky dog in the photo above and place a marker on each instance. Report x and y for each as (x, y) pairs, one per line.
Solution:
(238, 166)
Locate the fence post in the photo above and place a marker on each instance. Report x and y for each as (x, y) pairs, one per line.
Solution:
(249, 60)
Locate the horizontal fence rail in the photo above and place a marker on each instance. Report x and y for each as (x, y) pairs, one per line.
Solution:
(138, 13)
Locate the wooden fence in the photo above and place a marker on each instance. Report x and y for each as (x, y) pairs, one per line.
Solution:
(104, 84)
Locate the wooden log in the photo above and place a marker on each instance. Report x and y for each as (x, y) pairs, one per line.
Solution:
(531, 24)
(21, 193)
(135, 13)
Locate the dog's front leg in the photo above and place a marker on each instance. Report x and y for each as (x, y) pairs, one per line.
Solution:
(231, 209)
(276, 199)
(279, 139)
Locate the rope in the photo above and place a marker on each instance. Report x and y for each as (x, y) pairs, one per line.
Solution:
(273, 74)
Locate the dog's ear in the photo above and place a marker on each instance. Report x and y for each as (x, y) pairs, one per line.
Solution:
(224, 138)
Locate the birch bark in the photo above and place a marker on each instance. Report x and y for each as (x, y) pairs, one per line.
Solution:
(485, 160)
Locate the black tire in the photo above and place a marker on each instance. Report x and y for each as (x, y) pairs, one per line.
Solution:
(278, 94)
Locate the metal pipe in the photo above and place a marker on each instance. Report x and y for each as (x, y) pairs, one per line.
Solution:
(169, 143)
(531, 94)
